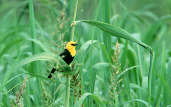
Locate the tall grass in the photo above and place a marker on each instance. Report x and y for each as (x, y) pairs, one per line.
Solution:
(105, 73)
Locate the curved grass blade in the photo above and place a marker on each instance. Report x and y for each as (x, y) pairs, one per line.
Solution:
(98, 99)
(121, 33)
(140, 101)
(38, 57)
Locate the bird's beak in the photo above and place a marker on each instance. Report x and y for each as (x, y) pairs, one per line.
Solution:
(75, 44)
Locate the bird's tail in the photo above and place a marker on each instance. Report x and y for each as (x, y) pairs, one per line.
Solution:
(52, 71)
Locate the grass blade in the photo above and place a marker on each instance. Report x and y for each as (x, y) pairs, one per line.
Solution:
(98, 99)
(121, 33)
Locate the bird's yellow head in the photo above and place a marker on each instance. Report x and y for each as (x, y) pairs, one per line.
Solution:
(71, 48)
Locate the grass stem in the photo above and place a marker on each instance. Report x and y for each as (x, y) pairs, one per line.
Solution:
(32, 23)
(75, 14)
(150, 75)
(33, 33)
(68, 77)
(67, 91)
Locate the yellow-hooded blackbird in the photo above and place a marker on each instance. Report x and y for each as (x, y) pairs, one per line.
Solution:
(67, 55)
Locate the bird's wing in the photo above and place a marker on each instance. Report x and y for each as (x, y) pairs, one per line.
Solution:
(63, 53)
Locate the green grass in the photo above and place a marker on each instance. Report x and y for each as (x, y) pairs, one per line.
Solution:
(113, 66)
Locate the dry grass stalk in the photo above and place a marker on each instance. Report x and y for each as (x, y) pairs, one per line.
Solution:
(116, 70)
(19, 94)
(76, 85)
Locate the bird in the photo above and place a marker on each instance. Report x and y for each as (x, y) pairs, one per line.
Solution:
(67, 55)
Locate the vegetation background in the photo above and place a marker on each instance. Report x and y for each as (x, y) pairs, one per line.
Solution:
(107, 71)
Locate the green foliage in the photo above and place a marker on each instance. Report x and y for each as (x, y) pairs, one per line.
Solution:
(111, 67)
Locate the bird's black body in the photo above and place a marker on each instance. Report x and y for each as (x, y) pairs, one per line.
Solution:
(66, 56)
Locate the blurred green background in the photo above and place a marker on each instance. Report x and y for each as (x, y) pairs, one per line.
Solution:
(109, 73)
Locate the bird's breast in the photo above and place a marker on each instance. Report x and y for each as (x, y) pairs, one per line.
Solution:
(72, 52)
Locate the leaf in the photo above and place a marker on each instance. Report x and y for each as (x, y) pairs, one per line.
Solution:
(121, 33)
(138, 100)
(10, 45)
(38, 57)
(101, 65)
(39, 43)
(98, 99)
(126, 70)
(115, 31)
(86, 45)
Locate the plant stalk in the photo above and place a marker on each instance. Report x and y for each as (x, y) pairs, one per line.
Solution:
(33, 33)
(68, 77)
(32, 24)
(150, 75)
(75, 14)
(67, 96)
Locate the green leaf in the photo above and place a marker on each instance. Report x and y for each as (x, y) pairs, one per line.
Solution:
(101, 65)
(38, 57)
(138, 100)
(98, 99)
(121, 33)
(86, 45)
(115, 31)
